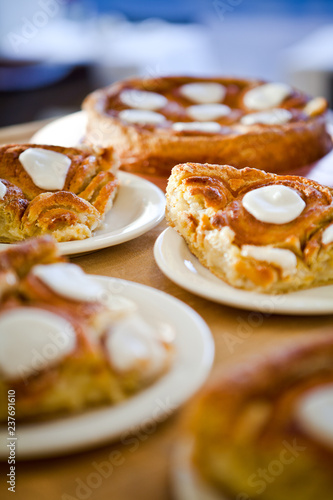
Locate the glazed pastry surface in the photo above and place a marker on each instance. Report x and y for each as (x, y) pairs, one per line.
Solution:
(79, 187)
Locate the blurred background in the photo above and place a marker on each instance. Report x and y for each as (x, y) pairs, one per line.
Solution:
(54, 52)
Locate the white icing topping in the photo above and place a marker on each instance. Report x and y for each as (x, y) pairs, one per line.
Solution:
(315, 414)
(206, 112)
(327, 236)
(141, 116)
(275, 204)
(266, 96)
(210, 127)
(47, 169)
(68, 280)
(31, 340)
(276, 116)
(285, 259)
(141, 99)
(204, 92)
(3, 190)
(132, 344)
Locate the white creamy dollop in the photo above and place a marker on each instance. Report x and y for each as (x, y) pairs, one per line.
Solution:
(207, 112)
(47, 169)
(266, 96)
(69, 281)
(133, 344)
(207, 127)
(203, 92)
(3, 190)
(31, 340)
(141, 117)
(280, 257)
(118, 305)
(327, 236)
(141, 99)
(277, 116)
(314, 413)
(275, 204)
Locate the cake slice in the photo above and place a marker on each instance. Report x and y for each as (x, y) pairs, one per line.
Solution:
(255, 230)
(67, 341)
(261, 430)
(155, 123)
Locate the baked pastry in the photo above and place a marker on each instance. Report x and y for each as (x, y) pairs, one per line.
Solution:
(153, 124)
(255, 230)
(66, 341)
(65, 192)
(264, 430)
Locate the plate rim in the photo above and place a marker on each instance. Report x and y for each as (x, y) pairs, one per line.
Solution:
(56, 122)
(246, 300)
(90, 244)
(201, 371)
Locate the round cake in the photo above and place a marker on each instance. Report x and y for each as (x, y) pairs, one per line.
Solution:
(153, 124)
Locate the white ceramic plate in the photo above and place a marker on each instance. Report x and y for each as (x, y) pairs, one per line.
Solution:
(177, 262)
(138, 207)
(194, 356)
(67, 131)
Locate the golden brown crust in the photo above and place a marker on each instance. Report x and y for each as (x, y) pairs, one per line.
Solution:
(12, 208)
(156, 149)
(204, 204)
(245, 419)
(81, 379)
(72, 213)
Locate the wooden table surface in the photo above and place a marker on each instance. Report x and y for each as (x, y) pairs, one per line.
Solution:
(141, 466)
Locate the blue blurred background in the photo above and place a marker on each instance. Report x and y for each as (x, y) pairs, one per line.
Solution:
(53, 52)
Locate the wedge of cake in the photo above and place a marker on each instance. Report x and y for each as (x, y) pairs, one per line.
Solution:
(65, 192)
(66, 342)
(262, 429)
(255, 230)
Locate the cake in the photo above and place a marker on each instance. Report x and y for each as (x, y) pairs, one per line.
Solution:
(255, 230)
